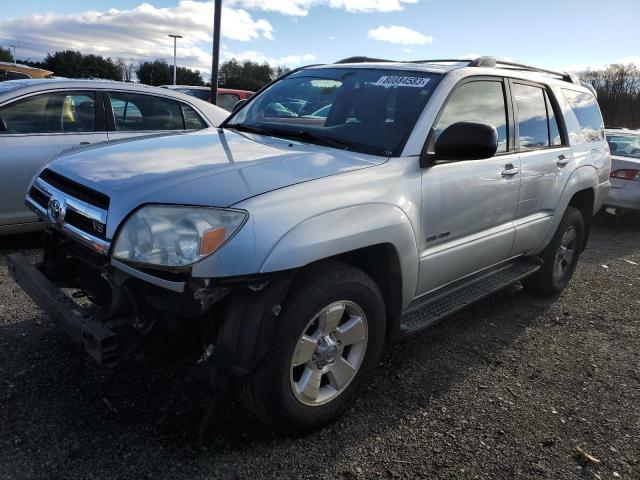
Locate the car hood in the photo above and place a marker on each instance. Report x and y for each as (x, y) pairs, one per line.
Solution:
(210, 167)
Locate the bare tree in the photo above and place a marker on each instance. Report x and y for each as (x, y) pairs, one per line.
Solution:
(618, 88)
(126, 67)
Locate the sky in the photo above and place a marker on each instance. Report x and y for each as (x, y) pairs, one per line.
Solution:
(560, 34)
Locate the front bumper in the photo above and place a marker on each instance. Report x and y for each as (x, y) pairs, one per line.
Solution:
(100, 342)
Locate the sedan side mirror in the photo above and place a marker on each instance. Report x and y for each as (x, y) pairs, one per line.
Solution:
(467, 141)
(238, 104)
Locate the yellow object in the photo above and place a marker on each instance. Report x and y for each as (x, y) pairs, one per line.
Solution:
(212, 239)
(26, 70)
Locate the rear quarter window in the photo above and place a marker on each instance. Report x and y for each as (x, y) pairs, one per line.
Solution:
(585, 108)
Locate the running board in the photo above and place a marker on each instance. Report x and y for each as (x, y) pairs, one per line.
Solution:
(429, 309)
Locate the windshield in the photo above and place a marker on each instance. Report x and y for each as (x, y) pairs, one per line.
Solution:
(365, 110)
(624, 145)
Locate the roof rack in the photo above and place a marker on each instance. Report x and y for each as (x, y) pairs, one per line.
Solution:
(488, 62)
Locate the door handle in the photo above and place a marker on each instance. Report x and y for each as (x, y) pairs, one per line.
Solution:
(562, 160)
(510, 170)
(84, 143)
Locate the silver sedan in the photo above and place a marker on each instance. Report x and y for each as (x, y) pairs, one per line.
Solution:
(625, 170)
(40, 118)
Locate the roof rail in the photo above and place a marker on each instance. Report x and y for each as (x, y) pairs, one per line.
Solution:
(487, 62)
(360, 59)
(491, 62)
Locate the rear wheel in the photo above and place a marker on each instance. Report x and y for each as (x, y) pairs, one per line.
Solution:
(328, 340)
(560, 257)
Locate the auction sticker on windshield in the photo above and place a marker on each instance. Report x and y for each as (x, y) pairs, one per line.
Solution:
(402, 81)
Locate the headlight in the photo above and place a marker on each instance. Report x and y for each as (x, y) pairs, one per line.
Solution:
(175, 236)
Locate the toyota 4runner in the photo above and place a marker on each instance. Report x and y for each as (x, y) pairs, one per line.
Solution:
(342, 207)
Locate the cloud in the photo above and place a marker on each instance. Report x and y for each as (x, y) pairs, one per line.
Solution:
(138, 33)
(255, 56)
(399, 35)
(302, 7)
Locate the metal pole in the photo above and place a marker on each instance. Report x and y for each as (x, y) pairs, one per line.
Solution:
(175, 38)
(217, 17)
(14, 54)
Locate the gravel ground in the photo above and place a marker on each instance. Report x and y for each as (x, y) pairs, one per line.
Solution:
(508, 388)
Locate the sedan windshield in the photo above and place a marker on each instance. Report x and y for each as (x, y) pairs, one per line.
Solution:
(364, 110)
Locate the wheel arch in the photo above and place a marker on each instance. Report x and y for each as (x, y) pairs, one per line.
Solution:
(356, 235)
(579, 192)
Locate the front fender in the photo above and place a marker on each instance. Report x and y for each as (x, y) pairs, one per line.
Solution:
(345, 230)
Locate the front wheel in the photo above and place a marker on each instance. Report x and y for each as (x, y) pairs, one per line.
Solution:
(560, 257)
(329, 338)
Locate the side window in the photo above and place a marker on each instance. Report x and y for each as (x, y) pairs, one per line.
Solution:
(477, 101)
(533, 126)
(10, 75)
(133, 111)
(585, 107)
(61, 112)
(227, 100)
(554, 131)
(192, 120)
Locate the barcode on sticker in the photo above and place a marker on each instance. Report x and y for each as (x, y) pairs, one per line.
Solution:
(402, 81)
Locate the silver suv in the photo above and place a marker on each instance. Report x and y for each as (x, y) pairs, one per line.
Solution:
(342, 207)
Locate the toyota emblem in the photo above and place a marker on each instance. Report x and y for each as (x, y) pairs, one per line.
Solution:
(55, 210)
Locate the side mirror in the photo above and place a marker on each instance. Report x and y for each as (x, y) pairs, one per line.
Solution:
(238, 104)
(3, 125)
(467, 141)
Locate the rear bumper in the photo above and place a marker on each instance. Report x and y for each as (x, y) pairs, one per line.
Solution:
(98, 341)
(627, 197)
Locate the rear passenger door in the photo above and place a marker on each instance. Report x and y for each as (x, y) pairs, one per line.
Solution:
(38, 127)
(134, 114)
(545, 161)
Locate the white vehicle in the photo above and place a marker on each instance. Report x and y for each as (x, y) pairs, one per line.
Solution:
(40, 118)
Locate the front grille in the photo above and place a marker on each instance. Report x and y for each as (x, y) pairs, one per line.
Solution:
(75, 189)
(73, 209)
(39, 197)
(85, 224)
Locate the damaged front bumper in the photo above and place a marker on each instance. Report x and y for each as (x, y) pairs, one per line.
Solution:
(233, 317)
(99, 341)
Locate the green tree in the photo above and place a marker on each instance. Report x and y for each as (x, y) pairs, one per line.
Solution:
(248, 75)
(159, 72)
(72, 64)
(5, 55)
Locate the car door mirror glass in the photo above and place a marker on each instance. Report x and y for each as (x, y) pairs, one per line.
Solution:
(239, 104)
(467, 141)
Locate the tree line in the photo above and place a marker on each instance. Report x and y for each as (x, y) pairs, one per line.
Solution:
(618, 88)
(618, 85)
(246, 75)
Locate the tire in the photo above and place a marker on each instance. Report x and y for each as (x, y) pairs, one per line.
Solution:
(550, 280)
(274, 393)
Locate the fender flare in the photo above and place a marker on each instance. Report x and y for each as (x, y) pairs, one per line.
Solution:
(346, 229)
(582, 178)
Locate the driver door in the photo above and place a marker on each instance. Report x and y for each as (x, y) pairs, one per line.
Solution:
(469, 206)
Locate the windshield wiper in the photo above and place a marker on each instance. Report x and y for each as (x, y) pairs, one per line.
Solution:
(312, 138)
(248, 128)
(297, 134)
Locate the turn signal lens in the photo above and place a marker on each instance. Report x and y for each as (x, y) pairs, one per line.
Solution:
(626, 174)
(212, 239)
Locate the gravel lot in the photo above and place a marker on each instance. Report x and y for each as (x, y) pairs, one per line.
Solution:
(508, 388)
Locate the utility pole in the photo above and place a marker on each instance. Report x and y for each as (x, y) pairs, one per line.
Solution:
(175, 38)
(217, 17)
(14, 53)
